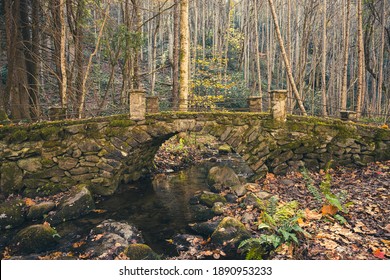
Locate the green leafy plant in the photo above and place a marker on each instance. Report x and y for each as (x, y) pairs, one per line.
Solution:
(278, 225)
(332, 203)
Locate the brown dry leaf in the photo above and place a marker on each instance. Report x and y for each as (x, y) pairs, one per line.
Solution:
(387, 227)
(78, 244)
(329, 210)
(216, 256)
(121, 256)
(29, 202)
(328, 244)
(312, 215)
(207, 253)
(118, 245)
(379, 254)
(97, 237)
(46, 224)
(270, 176)
(99, 211)
(361, 228)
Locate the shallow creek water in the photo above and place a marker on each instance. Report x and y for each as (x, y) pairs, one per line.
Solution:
(158, 206)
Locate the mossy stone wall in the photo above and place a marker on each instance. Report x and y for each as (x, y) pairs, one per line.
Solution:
(46, 158)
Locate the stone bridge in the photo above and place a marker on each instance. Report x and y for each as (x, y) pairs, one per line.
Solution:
(46, 158)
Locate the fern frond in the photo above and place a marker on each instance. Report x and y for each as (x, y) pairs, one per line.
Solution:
(272, 205)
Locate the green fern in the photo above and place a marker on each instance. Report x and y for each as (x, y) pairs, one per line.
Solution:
(280, 225)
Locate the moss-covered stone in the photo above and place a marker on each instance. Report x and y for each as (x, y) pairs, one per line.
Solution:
(18, 136)
(37, 211)
(35, 239)
(11, 178)
(78, 203)
(140, 252)
(222, 177)
(11, 214)
(230, 232)
(209, 198)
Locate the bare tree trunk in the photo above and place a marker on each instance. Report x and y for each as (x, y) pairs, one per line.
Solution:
(88, 69)
(324, 49)
(184, 56)
(361, 70)
(176, 54)
(259, 82)
(345, 63)
(381, 59)
(64, 83)
(285, 58)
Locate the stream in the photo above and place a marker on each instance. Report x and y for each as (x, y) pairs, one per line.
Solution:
(158, 206)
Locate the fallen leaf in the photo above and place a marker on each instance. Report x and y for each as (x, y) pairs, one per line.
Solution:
(29, 202)
(379, 254)
(78, 244)
(46, 224)
(312, 215)
(207, 253)
(387, 227)
(329, 210)
(99, 211)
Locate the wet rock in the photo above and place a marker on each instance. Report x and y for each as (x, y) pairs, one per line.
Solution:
(209, 198)
(37, 211)
(11, 178)
(35, 239)
(78, 203)
(218, 208)
(206, 228)
(110, 238)
(201, 213)
(140, 252)
(221, 177)
(231, 198)
(230, 232)
(11, 214)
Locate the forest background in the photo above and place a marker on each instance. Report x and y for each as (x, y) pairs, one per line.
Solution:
(86, 56)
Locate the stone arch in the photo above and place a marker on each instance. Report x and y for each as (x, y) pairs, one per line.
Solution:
(99, 151)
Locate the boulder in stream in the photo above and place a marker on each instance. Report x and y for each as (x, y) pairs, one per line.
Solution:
(140, 252)
(230, 232)
(78, 203)
(34, 239)
(222, 177)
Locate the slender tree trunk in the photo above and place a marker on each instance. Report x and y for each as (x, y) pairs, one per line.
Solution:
(88, 69)
(184, 56)
(324, 50)
(176, 54)
(259, 82)
(64, 79)
(344, 94)
(285, 58)
(381, 59)
(361, 70)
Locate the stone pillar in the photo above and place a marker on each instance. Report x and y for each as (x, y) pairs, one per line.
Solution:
(348, 115)
(255, 103)
(152, 105)
(278, 105)
(137, 105)
(57, 113)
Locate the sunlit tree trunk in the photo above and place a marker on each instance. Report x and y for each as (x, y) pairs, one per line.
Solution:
(324, 50)
(345, 62)
(184, 56)
(361, 71)
(285, 58)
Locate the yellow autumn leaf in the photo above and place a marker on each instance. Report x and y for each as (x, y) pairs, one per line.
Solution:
(29, 202)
